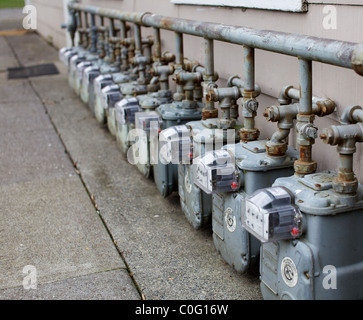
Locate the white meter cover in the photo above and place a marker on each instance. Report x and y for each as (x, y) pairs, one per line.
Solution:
(271, 215)
(126, 109)
(110, 95)
(175, 145)
(67, 57)
(65, 54)
(148, 121)
(215, 172)
(81, 67)
(75, 60)
(89, 74)
(101, 82)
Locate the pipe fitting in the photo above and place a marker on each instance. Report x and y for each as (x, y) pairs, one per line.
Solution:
(250, 107)
(352, 114)
(163, 72)
(227, 99)
(235, 81)
(188, 78)
(284, 97)
(323, 106)
(218, 94)
(357, 59)
(345, 137)
(284, 114)
(306, 133)
(277, 145)
(167, 57)
(249, 112)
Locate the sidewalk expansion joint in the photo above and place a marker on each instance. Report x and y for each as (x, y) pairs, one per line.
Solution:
(90, 195)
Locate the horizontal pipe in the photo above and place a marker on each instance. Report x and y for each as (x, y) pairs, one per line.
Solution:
(334, 52)
(339, 53)
(135, 17)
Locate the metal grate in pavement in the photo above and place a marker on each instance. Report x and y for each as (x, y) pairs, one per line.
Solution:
(32, 71)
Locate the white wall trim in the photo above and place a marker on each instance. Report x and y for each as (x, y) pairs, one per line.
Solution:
(281, 5)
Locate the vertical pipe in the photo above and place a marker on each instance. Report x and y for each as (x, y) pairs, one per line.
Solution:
(157, 45)
(138, 40)
(345, 171)
(93, 34)
(250, 104)
(179, 64)
(208, 78)
(85, 30)
(209, 56)
(112, 28)
(123, 57)
(306, 87)
(249, 68)
(79, 28)
(179, 58)
(101, 41)
(109, 44)
(123, 30)
(305, 164)
(249, 83)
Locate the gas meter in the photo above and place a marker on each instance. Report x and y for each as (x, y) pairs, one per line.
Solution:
(270, 215)
(215, 172)
(175, 145)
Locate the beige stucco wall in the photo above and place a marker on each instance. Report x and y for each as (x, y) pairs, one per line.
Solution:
(273, 71)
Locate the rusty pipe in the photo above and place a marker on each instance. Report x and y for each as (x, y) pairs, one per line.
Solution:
(134, 17)
(352, 114)
(345, 136)
(339, 53)
(285, 116)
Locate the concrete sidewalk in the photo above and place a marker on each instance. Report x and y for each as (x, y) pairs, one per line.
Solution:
(57, 162)
(51, 236)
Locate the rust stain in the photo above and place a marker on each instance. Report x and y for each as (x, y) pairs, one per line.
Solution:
(276, 150)
(249, 134)
(208, 114)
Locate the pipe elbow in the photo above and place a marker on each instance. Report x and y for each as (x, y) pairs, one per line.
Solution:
(351, 114)
(168, 57)
(284, 96)
(235, 81)
(357, 59)
(323, 107)
(280, 136)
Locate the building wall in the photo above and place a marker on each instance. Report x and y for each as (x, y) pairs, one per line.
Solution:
(273, 71)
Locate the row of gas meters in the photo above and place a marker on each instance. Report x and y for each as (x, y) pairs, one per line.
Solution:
(294, 226)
